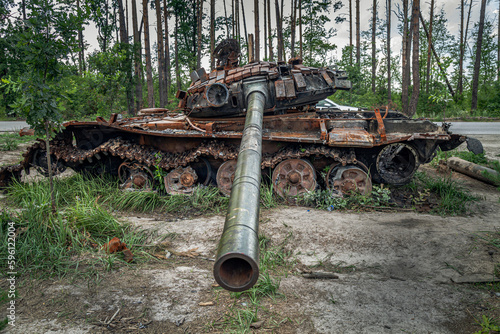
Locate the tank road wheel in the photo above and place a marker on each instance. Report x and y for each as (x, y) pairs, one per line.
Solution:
(203, 170)
(293, 177)
(39, 161)
(225, 176)
(133, 175)
(181, 180)
(345, 179)
(396, 163)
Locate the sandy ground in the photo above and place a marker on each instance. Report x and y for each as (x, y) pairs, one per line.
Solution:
(397, 274)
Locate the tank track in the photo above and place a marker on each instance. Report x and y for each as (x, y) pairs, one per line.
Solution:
(151, 157)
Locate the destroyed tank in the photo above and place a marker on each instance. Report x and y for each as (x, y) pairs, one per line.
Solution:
(234, 125)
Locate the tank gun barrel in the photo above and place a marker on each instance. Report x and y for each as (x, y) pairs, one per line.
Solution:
(236, 266)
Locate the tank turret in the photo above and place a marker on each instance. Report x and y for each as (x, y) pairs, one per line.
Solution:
(220, 93)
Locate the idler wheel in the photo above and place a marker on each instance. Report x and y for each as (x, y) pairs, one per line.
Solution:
(396, 163)
(225, 176)
(133, 175)
(293, 177)
(181, 180)
(348, 179)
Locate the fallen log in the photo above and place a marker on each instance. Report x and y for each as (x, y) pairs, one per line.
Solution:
(471, 169)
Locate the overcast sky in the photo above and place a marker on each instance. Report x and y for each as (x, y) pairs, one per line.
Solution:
(451, 8)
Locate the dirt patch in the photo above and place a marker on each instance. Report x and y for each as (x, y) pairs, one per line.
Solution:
(396, 272)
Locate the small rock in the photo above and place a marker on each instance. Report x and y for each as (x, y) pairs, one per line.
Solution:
(257, 324)
(179, 323)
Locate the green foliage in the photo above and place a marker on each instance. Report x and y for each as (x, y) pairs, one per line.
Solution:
(488, 325)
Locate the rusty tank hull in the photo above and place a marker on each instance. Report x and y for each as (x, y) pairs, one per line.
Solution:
(384, 147)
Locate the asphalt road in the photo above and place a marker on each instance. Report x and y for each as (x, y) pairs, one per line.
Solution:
(475, 128)
(12, 126)
(464, 128)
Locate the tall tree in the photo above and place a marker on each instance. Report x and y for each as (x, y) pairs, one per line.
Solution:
(477, 64)
(147, 52)
(301, 54)
(212, 33)
(124, 47)
(498, 43)
(161, 57)
(405, 84)
(374, 45)
(279, 31)
(270, 36)
(137, 58)
(462, 49)
(389, 11)
(416, 73)
(176, 50)
(257, 29)
(200, 32)
(227, 19)
(265, 30)
(358, 35)
(244, 22)
(81, 42)
(167, 51)
(429, 47)
(47, 38)
(236, 22)
(350, 31)
(293, 20)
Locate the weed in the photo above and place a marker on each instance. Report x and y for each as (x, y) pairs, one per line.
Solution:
(327, 200)
(488, 325)
(53, 244)
(11, 141)
(454, 199)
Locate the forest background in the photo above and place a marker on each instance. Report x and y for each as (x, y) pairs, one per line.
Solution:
(45, 53)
